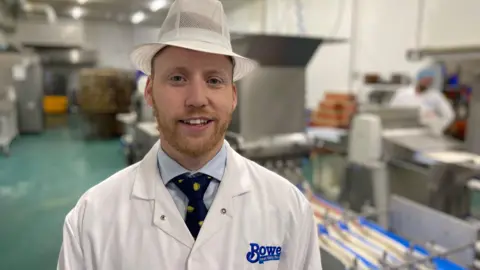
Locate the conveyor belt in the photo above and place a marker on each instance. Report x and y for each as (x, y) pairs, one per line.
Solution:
(365, 241)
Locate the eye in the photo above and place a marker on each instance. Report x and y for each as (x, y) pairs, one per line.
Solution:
(177, 78)
(215, 81)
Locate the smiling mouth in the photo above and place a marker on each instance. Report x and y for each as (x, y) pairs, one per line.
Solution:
(196, 122)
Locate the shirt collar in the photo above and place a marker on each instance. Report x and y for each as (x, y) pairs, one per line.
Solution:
(169, 168)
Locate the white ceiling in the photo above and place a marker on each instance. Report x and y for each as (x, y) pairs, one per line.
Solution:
(118, 10)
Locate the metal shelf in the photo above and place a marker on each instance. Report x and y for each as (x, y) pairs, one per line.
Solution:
(453, 52)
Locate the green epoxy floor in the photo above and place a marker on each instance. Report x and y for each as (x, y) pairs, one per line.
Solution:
(39, 183)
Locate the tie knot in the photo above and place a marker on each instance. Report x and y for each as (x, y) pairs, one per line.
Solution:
(193, 187)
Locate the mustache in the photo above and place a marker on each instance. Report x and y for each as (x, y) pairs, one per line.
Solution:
(197, 113)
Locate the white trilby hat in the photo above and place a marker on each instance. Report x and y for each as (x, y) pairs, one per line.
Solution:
(199, 25)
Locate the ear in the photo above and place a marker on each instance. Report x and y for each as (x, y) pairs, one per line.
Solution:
(148, 94)
(235, 97)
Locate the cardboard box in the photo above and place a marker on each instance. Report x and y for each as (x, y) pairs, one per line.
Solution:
(105, 90)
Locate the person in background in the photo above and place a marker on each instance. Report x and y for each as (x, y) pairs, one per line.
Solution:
(435, 110)
(192, 202)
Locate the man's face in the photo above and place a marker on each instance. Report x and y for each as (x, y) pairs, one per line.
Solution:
(424, 83)
(193, 98)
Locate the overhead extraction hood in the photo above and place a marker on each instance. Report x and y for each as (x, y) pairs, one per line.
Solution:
(277, 50)
(271, 100)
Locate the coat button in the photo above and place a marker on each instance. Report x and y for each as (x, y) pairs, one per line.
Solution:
(224, 211)
(163, 217)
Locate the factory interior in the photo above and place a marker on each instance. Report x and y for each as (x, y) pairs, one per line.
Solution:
(316, 111)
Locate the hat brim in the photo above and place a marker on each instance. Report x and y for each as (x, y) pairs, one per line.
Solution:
(141, 56)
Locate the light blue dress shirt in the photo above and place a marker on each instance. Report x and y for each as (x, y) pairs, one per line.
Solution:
(169, 169)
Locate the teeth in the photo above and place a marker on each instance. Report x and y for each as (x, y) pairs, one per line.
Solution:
(196, 122)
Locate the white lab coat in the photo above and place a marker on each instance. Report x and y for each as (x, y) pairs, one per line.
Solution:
(130, 221)
(435, 110)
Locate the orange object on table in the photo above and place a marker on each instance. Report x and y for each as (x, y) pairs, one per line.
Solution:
(335, 111)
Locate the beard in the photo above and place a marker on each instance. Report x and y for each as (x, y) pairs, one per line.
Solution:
(191, 146)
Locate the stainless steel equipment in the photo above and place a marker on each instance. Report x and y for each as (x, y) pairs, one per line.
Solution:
(30, 94)
(378, 93)
(8, 119)
(398, 161)
(271, 100)
(67, 56)
(62, 34)
(441, 231)
(143, 111)
(9, 12)
(8, 106)
(385, 153)
(284, 154)
(145, 136)
(394, 118)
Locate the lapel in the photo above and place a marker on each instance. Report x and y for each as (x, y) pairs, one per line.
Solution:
(235, 182)
(149, 186)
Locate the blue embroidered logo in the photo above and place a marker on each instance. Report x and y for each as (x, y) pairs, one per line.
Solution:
(263, 254)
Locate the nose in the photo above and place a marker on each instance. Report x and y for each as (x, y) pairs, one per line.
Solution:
(197, 94)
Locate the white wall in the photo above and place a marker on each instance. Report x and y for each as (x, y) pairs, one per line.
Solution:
(451, 23)
(385, 30)
(247, 18)
(112, 41)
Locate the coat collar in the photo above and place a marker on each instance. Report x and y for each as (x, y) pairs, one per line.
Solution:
(169, 168)
(147, 177)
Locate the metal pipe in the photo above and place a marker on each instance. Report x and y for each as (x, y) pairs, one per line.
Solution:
(352, 59)
(49, 11)
(419, 24)
(264, 22)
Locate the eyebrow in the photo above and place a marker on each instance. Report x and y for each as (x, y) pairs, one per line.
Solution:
(185, 70)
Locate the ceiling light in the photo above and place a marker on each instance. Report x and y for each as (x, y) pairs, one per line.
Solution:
(157, 5)
(138, 17)
(81, 2)
(77, 13)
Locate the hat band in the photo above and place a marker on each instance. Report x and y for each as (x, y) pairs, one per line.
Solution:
(196, 34)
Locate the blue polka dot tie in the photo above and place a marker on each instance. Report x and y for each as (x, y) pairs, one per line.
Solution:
(194, 188)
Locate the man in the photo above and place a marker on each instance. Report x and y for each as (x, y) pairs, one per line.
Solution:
(192, 202)
(435, 110)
